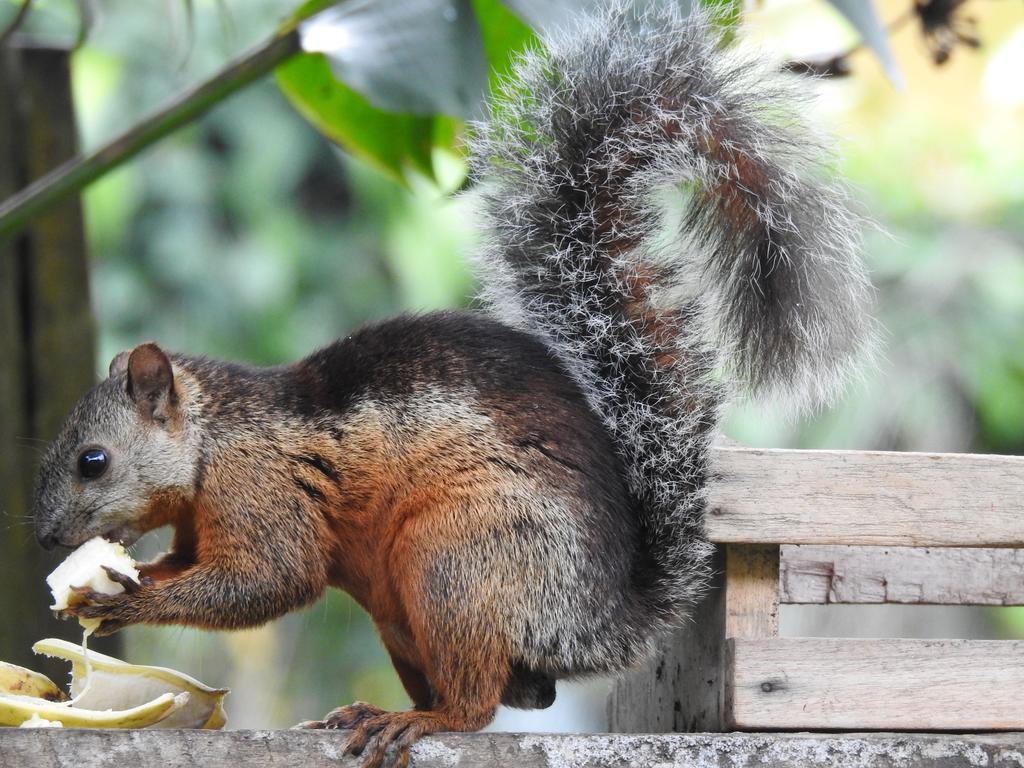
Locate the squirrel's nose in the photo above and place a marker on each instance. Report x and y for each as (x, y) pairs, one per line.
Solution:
(47, 540)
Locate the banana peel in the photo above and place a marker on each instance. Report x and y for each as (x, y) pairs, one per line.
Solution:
(115, 684)
(18, 681)
(114, 694)
(16, 710)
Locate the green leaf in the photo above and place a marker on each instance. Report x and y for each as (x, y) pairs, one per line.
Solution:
(395, 68)
(504, 34)
(420, 56)
(726, 13)
(391, 141)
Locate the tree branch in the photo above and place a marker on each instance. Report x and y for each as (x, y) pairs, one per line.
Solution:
(16, 22)
(71, 177)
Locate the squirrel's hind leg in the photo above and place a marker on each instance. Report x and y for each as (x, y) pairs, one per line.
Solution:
(466, 681)
(466, 701)
(351, 715)
(455, 659)
(386, 740)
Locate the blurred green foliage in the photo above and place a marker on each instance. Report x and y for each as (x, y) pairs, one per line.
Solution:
(248, 236)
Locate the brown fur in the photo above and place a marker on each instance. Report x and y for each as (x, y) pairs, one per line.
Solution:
(453, 492)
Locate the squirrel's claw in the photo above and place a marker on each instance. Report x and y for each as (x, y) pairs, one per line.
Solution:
(86, 596)
(114, 611)
(385, 740)
(95, 605)
(131, 586)
(344, 718)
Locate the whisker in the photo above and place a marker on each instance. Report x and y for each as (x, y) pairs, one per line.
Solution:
(30, 439)
(14, 520)
(15, 526)
(36, 446)
(14, 515)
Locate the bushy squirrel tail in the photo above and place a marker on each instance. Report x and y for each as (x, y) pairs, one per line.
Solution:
(655, 209)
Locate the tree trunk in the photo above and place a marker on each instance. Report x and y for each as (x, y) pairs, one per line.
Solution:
(47, 336)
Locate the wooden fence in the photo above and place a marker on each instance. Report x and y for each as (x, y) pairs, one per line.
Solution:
(845, 527)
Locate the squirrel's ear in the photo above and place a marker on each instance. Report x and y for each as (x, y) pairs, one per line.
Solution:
(119, 364)
(151, 382)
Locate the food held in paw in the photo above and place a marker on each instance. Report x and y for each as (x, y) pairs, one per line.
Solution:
(83, 568)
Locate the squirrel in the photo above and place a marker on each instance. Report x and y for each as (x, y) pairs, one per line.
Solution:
(514, 495)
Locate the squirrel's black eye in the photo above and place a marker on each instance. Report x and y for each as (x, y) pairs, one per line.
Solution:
(92, 463)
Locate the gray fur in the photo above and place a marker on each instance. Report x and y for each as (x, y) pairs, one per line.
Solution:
(144, 459)
(654, 210)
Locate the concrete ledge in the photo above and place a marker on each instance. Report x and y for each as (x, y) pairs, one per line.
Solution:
(53, 748)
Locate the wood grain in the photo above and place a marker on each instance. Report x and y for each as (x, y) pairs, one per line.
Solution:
(866, 498)
(46, 748)
(680, 688)
(752, 591)
(830, 684)
(833, 574)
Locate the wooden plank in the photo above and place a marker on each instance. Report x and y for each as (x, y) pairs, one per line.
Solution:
(836, 684)
(832, 574)
(752, 591)
(680, 688)
(866, 497)
(52, 748)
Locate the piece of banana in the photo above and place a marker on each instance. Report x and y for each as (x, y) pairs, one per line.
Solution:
(16, 710)
(84, 568)
(116, 684)
(24, 682)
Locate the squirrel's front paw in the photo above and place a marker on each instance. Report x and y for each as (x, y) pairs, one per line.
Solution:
(113, 611)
